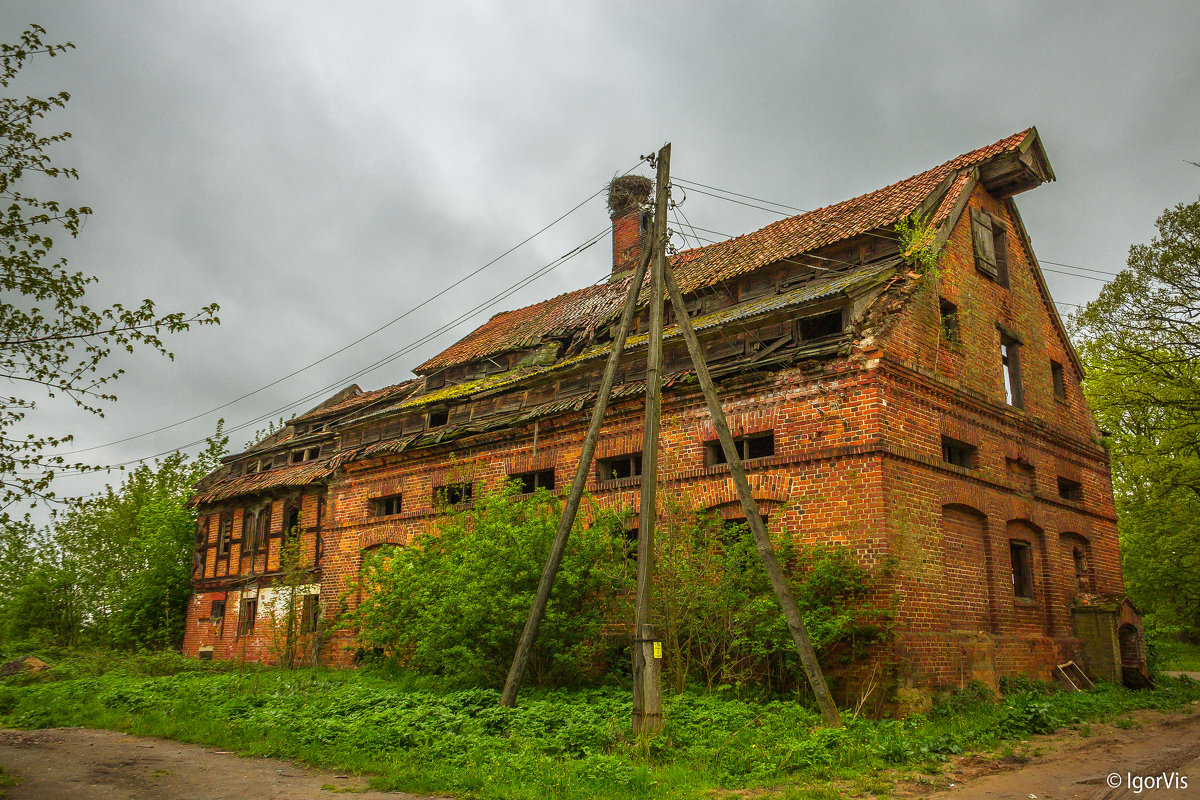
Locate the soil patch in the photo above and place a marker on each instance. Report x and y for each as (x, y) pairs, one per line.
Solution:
(85, 764)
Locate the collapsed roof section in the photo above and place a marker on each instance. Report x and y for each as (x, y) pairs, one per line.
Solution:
(784, 294)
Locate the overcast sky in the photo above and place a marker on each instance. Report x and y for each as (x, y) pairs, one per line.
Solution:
(319, 169)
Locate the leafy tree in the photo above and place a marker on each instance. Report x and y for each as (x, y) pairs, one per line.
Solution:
(1141, 347)
(453, 604)
(718, 616)
(114, 568)
(52, 341)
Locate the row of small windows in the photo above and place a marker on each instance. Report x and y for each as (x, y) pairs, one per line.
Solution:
(962, 454)
(310, 612)
(629, 465)
(1010, 357)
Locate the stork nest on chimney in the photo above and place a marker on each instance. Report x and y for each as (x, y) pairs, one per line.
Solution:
(628, 193)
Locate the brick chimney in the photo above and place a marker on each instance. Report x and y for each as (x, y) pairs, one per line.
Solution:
(628, 206)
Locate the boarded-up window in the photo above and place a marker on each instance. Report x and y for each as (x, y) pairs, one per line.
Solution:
(224, 534)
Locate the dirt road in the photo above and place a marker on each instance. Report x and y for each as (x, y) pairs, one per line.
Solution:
(1151, 758)
(1156, 759)
(83, 764)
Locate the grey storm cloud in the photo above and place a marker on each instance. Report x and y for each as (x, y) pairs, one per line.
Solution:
(320, 169)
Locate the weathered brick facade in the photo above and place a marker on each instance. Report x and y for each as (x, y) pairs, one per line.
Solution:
(892, 427)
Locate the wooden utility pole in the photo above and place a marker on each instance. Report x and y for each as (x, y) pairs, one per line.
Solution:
(521, 658)
(647, 652)
(647, 685)
(783, 592)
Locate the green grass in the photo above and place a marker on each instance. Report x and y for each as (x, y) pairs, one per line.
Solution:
(557, 744)
(1178, 656)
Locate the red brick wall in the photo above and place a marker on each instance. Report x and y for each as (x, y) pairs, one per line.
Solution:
(858, 461)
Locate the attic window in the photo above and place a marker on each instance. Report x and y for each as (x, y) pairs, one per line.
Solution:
(617, 467)
(991, 246)
(759, 445)
(949, 325)
(439, 418)
(821, 325)
(530, 482)
(1056, 375)
(307, 454)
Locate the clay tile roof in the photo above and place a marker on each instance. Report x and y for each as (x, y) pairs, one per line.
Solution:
(701, 267)
(293, 475)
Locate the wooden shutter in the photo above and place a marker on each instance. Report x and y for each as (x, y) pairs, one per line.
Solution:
(985, 246)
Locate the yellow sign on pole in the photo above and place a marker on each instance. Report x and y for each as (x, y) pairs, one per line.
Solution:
(658, 649)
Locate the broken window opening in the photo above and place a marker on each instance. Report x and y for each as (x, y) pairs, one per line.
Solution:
(756, 445)
(386, 506)
(453, 494)
(530, 482)
(618, 467)
(1070, 490)
(737, 541)
(949, 326)
(216, 616)
(821, 326)
(310, 613)
(1010, 360)
(307, 454)
(960, 454)
(224, 536)
(246, 615)
(293, 520)
(439, 418)
(1021, 554)
(1060, 385)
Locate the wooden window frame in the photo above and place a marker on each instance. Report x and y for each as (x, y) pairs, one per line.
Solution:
(1010, 364)
(1020, 554)
(387, 505)
(247, 614)
(613, 468)
(990, 239)
(534, 479)
(749, 448)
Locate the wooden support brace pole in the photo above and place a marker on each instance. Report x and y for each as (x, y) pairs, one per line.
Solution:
(521, 658)
(647, 686)
(783, 592)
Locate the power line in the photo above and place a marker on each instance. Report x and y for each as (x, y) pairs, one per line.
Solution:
(357, 341)
(694, 184)
(500, 296)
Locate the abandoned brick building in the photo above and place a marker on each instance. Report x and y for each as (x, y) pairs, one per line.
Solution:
(936, 420)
